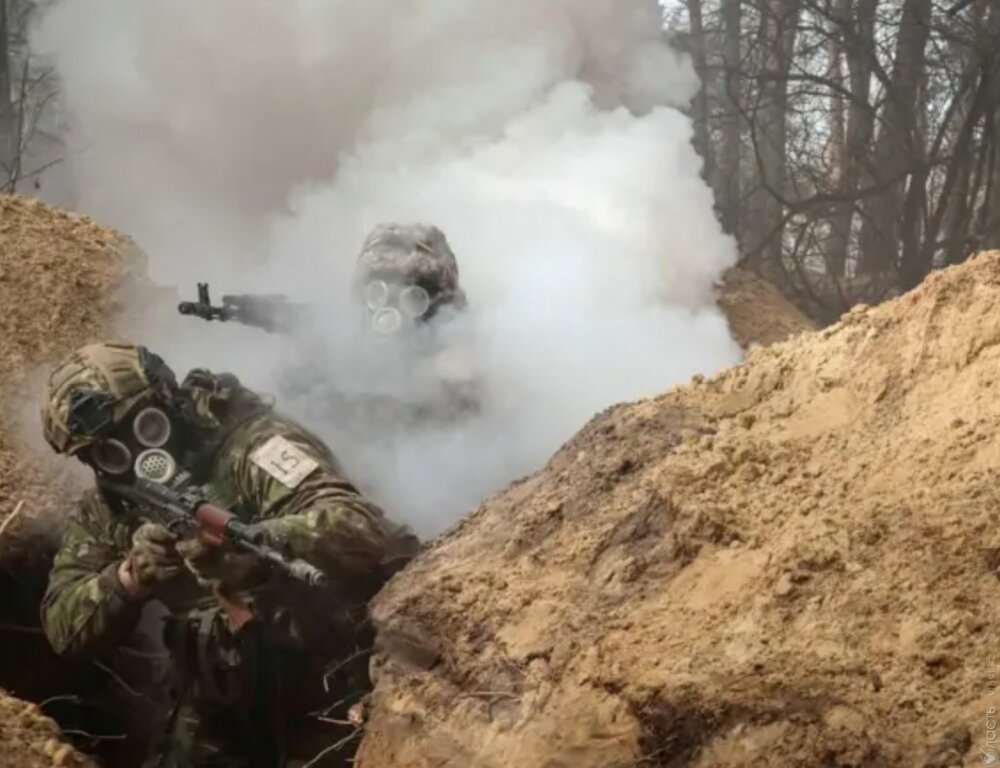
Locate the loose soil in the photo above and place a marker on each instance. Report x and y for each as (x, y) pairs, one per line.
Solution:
(789, 564)
(58, 275)
(756, 310)
(793, 563)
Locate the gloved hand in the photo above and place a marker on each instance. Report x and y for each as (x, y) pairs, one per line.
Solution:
(219, 565)
(153, 560)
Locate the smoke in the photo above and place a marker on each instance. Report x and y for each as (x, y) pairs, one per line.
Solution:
(254, 143)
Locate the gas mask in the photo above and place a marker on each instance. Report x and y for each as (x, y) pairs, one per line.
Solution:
(144, 449)
(390, 307)
(143, 445)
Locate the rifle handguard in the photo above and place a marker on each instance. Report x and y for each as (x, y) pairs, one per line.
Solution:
(254, 539)
(215, 525)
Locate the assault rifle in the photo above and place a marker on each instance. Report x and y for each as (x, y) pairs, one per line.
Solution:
(272, 312)
(188, 510)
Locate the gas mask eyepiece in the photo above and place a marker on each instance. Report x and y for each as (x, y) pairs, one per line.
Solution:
(391, 306)
(414, 301)
(151, 427)
(111, 456)
(376, 295)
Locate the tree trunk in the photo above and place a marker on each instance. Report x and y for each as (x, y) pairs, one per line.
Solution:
(962, 217)
(730, 188)
(989, 216)
(988, 225)
(854, 23)
(697, 47)
(956, 217)
(841, 215)
(983, 101)
(899, 145)
(992, 201)
(7, 123)
(780, 25)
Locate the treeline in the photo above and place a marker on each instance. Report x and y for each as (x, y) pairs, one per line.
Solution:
(852, 144)
(29, 137)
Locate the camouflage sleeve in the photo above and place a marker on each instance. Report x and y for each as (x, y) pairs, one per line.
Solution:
(85, 608)
(322, 518)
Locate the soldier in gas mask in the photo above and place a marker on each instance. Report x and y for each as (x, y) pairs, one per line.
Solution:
(405, 276)
(253, 649)
(408, 367)
(407, 284)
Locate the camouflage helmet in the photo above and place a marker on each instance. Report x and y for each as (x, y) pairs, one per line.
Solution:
(92, 390)
(417, 252)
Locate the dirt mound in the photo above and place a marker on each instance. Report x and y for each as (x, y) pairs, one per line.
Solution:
(29, 739)
(58, 272)
(791, 564)
(756, 310)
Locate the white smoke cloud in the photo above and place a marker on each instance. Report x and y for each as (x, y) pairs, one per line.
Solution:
(255, 142)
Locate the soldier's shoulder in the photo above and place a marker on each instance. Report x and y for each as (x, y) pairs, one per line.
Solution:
(203, 378)
(271, 427)
(218, 400)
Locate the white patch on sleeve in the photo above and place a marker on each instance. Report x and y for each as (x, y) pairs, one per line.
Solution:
(285, 462)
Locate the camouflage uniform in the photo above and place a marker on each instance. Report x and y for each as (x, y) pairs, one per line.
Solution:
(417, 378)
(237, 691)
(440, 385)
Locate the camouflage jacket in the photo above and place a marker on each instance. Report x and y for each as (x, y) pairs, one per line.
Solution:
(324, 520)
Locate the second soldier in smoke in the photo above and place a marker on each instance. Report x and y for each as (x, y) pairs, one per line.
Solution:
(410, 366)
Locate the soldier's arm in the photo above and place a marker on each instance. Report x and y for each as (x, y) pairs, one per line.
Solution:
(321, 517)
(86, 609)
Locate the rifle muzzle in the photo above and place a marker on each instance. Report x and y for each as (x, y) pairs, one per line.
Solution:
(304, 572)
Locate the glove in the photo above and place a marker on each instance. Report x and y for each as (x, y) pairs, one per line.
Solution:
(219, 565)
(153, 560)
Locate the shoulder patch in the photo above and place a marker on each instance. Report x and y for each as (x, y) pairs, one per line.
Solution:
(284, 461)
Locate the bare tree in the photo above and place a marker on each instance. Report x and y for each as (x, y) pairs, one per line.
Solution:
(700, 106)
(840, 221)
(7, 129)
(778, 25)
(898, 144)
(729, 187)
(852, 45)
(27, 89)
(854, 142)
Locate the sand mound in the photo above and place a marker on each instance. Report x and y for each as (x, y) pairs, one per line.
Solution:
(58, 272)
(756, 310)
(29, 739)
(791, 564)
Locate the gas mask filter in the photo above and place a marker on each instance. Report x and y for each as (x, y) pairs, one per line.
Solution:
(392, 306)
(143, 449)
